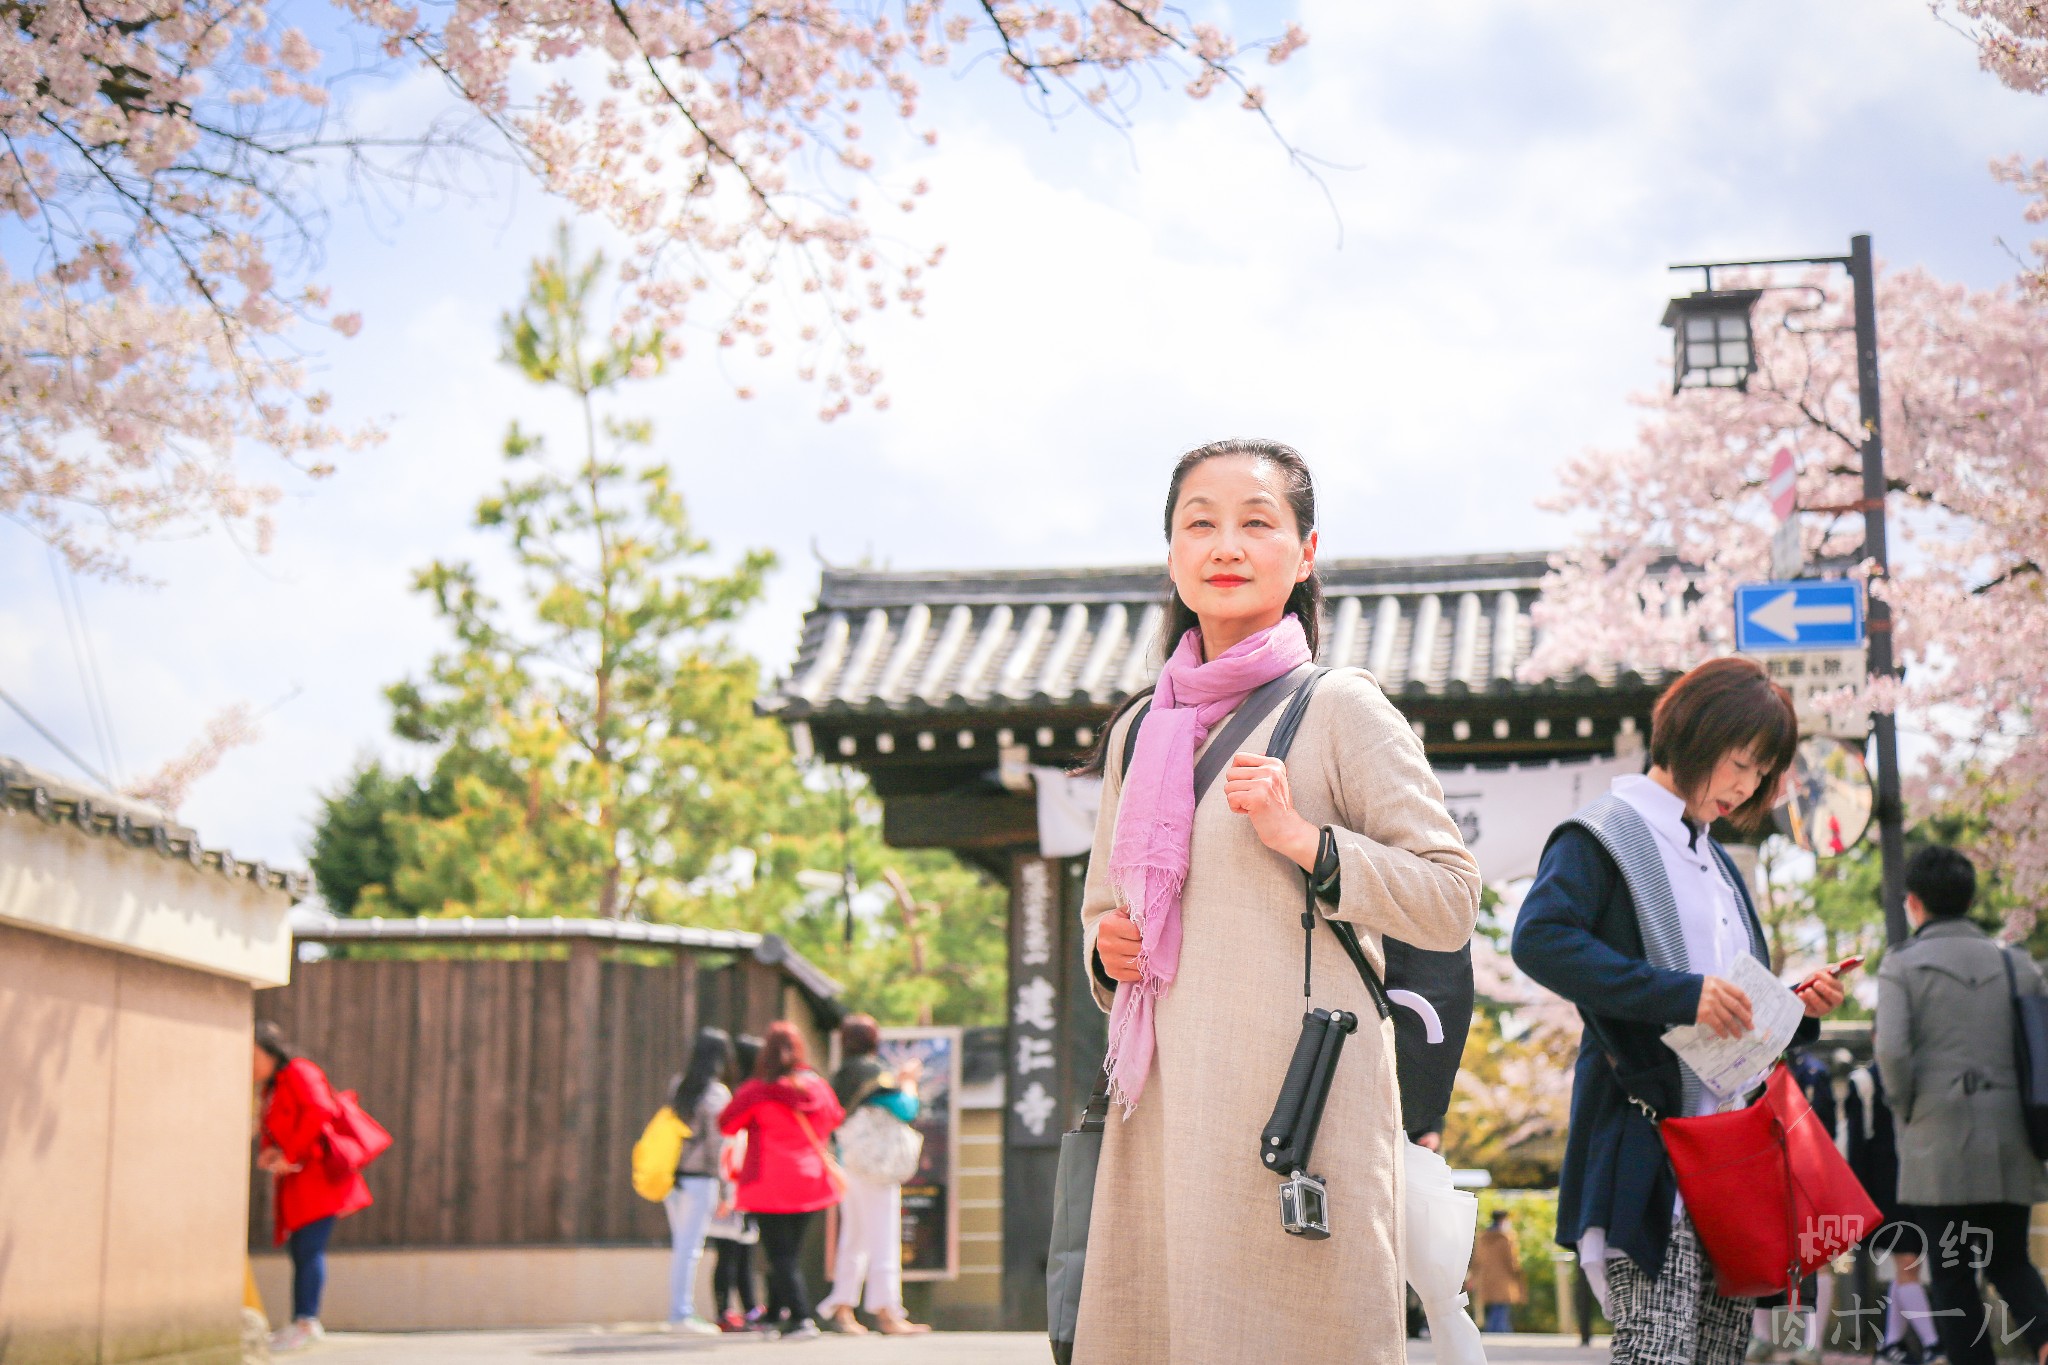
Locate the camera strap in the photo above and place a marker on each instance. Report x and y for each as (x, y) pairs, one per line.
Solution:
(1288, 1139)
(1283, 739)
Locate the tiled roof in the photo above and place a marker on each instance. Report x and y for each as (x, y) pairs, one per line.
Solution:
(887, 643)
(27, 791)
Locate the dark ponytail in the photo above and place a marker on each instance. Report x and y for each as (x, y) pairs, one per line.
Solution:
(1305, 603)
(711, 1059)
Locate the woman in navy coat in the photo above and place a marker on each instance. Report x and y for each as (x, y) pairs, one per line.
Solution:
(1636, 916)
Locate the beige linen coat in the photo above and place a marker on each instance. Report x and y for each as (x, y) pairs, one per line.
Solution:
(1187, 1263)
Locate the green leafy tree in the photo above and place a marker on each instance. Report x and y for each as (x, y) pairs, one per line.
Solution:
(1837, 910)
(355, 848)
(601, 746)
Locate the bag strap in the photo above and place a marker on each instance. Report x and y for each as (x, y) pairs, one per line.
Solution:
(1298, 687)
(832, 1171)
(1253, 709)
(2012, 980)
(1648, 1110)
(1283, 740)
(1138, 715)
(1096, 1115)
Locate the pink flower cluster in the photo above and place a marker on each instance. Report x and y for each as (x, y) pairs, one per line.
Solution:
(166, 162)
(1680, 517)
(141, 334)
(730, 136)
(2012, 44)
(169, 785)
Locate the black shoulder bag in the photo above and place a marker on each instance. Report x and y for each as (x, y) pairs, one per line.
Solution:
(2030, 1056)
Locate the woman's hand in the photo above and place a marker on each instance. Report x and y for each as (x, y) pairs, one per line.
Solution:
(273, 1161)
(1724, 1008)
(1821, 993)
(1117, 944)
(1256, 786)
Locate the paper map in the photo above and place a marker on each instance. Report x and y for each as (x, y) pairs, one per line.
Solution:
(1731, 1067)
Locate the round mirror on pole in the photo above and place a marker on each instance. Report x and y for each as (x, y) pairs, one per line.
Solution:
(1828, 797)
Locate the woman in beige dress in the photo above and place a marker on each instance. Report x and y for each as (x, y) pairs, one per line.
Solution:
(1192, 923)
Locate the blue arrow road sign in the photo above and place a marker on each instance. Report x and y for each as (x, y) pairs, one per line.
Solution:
(1807, 613)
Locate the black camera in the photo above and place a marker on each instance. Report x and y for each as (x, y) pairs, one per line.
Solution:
(1290, 1135)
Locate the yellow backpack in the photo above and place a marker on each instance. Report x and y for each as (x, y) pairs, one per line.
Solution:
(656, 1153)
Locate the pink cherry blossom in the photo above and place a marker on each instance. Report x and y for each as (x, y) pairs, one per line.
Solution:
(169, 785)
(1678, 518)
(167, 165)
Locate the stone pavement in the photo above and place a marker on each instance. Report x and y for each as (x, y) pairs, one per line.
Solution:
(629, 1345)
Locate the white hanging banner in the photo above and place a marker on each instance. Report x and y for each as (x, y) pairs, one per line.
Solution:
(1067, 806)
(1507, 814)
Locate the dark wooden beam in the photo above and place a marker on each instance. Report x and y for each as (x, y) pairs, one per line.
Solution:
(579, 1097)
(973, 819)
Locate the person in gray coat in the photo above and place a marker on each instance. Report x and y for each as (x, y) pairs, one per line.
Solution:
(1967, 1178)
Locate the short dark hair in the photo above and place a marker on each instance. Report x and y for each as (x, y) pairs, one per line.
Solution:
(1725, 706)
(271, 1039)
(859, 1035)
(1944, 879)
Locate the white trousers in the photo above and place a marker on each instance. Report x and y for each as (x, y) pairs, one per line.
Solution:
(870, 1249)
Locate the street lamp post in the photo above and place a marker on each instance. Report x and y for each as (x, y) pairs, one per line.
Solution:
(1713, 348)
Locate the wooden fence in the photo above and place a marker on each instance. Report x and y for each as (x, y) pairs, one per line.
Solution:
(513, 1090)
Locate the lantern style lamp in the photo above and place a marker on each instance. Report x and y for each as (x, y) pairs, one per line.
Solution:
(1711, 339)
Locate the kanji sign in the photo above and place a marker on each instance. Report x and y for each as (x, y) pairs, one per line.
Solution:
(1035, 1005)
(1812, 674)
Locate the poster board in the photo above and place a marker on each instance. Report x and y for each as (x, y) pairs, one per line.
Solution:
(931, 1202)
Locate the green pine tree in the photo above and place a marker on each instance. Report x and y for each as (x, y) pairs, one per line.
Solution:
(595, 748)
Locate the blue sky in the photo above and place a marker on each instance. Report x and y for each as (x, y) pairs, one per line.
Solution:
(1518, 174)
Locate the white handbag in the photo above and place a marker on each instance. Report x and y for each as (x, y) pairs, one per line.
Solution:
(878, 1147)
(1441, 1223)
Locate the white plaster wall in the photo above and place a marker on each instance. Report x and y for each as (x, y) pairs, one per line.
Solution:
(60, 880)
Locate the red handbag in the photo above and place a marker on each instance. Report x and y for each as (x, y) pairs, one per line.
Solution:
(1770, 1197)
(354, 1139)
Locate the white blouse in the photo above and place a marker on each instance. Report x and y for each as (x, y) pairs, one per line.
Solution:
(1708, 913)
(1715, 935)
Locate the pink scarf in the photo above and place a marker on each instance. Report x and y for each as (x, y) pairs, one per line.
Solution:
(1148, 860)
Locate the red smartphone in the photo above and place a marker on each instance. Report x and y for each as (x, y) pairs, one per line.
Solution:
(1847, 964)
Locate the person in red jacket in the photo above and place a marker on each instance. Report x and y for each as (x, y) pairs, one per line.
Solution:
(312, 1191)
(787, 1112)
